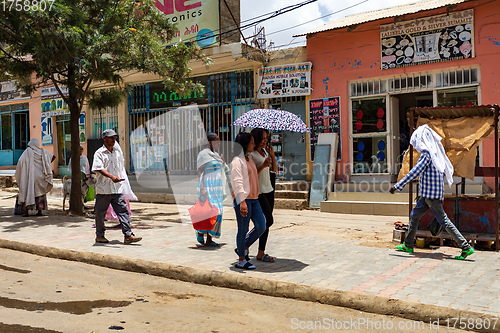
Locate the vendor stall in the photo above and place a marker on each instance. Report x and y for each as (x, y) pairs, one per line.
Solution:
(462, 130)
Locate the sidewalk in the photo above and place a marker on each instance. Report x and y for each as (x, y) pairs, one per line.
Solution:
(320, 251)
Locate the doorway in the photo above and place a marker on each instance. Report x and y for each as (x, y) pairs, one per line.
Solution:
(294, 146)
(401, 105)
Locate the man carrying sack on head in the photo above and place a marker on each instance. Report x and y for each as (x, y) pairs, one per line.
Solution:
(431, 167)
(108, 164)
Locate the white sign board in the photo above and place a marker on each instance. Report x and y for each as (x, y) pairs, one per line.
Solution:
(284, 81)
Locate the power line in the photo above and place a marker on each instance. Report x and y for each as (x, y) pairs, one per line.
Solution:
(319, 18)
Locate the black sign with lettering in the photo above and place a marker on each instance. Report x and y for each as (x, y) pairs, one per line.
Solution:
(324, 117)
(160, 98)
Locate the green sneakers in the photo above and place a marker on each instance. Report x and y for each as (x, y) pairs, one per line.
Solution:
(403, 248)
(465, 254)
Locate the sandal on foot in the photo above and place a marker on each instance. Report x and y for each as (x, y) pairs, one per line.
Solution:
(267, 258)
(212, 244)
(403, 248)
(465, 254)
(200, 238)
(245, 264)
(247, 257)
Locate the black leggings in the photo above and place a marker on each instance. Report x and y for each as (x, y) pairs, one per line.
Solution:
(266, 201)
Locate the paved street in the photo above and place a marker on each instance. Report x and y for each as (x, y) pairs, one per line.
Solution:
(48, 295)
(342, 264)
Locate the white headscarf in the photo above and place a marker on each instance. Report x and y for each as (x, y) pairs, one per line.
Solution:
(424, 138)
(207, 155)
(33, 173)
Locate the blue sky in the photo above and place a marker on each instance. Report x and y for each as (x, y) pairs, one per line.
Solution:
(315, 10)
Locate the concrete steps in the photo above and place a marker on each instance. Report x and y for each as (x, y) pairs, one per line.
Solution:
(292, 195)
(374, 198)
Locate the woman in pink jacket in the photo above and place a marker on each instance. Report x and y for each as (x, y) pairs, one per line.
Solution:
(246, 194)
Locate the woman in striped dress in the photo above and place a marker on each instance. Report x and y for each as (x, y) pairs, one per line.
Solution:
(213, 174)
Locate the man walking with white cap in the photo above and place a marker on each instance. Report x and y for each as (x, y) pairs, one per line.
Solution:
(431, 167)
(108, 164)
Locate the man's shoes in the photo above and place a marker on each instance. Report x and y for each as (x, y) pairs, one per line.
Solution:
(101, 239)
(132, 239)
(403, 248)
(465, 254)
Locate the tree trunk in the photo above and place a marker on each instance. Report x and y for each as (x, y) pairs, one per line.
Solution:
(75, 199)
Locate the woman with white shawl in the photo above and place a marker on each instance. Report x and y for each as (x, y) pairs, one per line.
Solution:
(34, 178)
(127, 189)
(213, 174)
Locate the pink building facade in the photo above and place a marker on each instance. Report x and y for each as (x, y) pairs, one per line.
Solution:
(380, 67)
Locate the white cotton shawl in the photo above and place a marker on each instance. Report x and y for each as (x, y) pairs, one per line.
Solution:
(424, 138)
(207, 155)
(33, 173)
(127, 189)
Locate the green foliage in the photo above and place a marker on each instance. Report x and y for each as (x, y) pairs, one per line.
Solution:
(79, 42)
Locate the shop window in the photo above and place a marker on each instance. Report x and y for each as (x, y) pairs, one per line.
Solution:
(104, 119)
(369, 116)
(457, 97)
(6, 131)
(370, 155)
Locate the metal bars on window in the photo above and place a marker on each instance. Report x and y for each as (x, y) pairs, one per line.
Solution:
(415, 82)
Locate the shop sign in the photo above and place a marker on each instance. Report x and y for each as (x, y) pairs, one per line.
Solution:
(47, 137)
(52, 102)
(9, 92)
(196, 22)
(427, 40)
(160, 98)
(284, 81)
(324, 117)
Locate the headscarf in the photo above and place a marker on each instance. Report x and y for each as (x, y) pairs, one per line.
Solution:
(424, 138)
(207, 155)
(33, 173)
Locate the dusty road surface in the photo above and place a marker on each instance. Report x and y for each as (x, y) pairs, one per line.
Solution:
(39, 294)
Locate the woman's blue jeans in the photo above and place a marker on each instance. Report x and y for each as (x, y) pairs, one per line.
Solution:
(259, 221)
(423, 205)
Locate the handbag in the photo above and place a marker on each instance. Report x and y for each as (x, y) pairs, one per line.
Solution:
(203, 215)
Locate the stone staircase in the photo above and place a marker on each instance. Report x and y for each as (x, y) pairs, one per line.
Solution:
(375, 199)
(292, 195)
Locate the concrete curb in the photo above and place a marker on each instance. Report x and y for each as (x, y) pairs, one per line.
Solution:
(366, 303)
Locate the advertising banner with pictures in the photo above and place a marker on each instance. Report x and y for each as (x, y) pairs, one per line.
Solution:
(52, 102)
(47, 136)
(195, 21)
(324, 117)
(429, 39)
(284, 81)
(9, 92)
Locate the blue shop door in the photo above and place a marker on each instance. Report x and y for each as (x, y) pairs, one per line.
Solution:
(21, 134)
(294, 146)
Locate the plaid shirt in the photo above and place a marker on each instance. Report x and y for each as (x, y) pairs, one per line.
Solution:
(431, 180)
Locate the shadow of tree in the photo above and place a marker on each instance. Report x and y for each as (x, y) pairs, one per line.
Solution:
(280, 265)
(14, 223)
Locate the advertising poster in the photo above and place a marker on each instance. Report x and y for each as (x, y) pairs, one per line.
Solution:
(47, 137)
(324, 117)
(52, 102)
(426, 40)
(81, 128)
(284, 81)
(196, 21)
